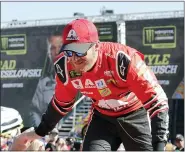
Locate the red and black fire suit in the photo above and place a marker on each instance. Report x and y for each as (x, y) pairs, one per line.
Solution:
(119, 83)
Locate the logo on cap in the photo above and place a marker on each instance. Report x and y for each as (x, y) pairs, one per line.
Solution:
(72, 35)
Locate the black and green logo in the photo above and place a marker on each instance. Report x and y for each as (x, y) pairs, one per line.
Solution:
(74, 74)
(149, 35)
(159, 37)
(13, 44)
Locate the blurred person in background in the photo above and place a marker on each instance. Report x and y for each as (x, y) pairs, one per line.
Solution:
(4, 145)
(169, 146)
(36, 145)
(70, 143)
(46, 84)
(179, 142)
(129, 106)
(8, 136)
(61, 145)
(11, 125)
(53, 136)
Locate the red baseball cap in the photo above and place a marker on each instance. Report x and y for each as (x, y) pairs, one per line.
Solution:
(79, 35)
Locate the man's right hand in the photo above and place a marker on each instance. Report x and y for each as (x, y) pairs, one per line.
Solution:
(22, 141)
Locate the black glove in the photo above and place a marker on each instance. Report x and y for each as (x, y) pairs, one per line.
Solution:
(49, 121)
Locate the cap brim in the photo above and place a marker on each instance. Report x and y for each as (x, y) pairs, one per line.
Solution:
(77, 47)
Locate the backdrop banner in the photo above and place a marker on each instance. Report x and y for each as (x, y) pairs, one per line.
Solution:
(162, 43)
(27, 75)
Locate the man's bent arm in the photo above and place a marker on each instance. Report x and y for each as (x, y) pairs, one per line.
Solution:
(49, 120)
(131, 69)
(61, 103)
(144, 84)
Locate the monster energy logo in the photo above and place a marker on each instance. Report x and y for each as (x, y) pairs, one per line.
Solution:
(149, 35)
(13, 44)
(159, 37)
(4, 43)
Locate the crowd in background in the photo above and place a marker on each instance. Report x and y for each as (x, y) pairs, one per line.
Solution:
(53, 142)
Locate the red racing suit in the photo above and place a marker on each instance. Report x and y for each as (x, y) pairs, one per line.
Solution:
(119, 83)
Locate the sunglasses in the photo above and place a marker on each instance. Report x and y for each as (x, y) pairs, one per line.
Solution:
(70, 54)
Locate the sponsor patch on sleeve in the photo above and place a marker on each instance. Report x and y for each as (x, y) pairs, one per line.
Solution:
(122, 64)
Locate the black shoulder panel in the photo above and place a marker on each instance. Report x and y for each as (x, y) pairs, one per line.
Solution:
(60, 69)
(123, 61)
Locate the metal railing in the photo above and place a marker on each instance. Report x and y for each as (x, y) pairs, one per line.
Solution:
(100, 18)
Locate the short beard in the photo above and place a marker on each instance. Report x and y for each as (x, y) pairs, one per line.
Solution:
(86, 68)
(76, 69)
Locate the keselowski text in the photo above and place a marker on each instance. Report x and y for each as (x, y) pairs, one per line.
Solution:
(21, 73)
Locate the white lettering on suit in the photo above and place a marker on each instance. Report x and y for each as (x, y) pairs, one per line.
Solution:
(112, 104)
(89, 84)
(77, 84)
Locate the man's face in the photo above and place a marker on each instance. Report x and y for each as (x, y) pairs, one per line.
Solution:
(55, 45)
(179, 143)
(85, 63)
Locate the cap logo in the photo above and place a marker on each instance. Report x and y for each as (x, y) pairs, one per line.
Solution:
(72, 35)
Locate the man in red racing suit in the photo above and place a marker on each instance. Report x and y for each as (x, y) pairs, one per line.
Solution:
(125, 94)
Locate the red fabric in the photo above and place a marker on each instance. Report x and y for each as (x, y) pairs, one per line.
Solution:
(85, 31)
(103, 82)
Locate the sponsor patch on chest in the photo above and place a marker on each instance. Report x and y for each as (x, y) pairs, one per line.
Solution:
(100, 84)
(105, 92)
(74, 74)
